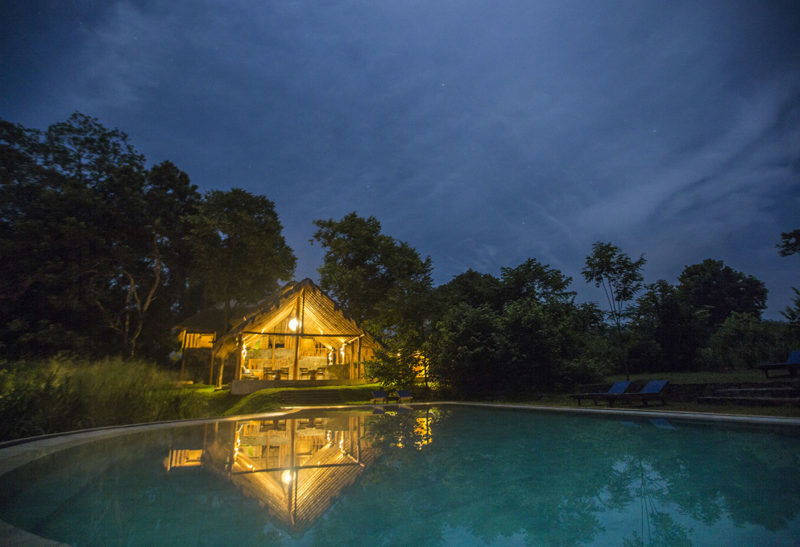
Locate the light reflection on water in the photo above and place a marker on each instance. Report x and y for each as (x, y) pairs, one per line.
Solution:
(430, 476)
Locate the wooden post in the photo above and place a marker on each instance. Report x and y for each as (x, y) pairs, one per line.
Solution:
(295, 368)
(221, 369)
(183, 356)
(360, 372)
(211, 369)
(237, 374)
(353, 361)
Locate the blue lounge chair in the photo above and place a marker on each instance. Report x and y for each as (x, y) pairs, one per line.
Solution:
(654, 389)
(616, 389)
(790, 366)
(403, 396)
(379, 397)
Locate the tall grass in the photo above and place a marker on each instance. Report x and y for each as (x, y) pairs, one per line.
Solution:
(62, 395)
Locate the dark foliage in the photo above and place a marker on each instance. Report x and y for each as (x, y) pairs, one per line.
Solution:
(97, 250)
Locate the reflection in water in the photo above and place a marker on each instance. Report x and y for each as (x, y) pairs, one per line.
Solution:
(293, 467)
(450, 475)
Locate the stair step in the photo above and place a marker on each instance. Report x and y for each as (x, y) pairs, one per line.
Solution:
(756, 401)
(756, 391)
(310, 397)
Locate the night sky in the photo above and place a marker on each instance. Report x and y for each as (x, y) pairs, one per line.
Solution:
(482, 133)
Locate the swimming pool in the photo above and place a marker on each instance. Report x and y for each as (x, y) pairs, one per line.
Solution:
(425, 475)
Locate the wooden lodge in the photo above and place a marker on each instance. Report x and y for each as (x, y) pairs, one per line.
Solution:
(297, 338)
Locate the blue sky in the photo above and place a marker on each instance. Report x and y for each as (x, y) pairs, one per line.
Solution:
(482, 133)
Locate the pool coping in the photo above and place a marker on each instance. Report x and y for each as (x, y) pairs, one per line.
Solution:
(19, 452)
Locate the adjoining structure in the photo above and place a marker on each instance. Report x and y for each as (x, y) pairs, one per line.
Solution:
(301, 335)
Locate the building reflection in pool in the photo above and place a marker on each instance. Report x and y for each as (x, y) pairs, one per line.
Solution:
(294, 467)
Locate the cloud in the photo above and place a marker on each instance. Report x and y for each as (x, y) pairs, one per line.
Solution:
(481, 133)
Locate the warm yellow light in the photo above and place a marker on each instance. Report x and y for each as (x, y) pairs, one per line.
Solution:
(286, 477)
(293, 324)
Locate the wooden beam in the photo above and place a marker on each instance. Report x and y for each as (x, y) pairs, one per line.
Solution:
(349, 335)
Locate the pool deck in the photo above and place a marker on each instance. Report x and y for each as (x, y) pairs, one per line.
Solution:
(21, 451)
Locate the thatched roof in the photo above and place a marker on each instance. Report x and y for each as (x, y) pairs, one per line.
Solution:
(212, 320)
(319, 315)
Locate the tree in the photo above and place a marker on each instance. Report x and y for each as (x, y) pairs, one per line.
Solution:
(668, 334)
(789, 245)
(381, 283)
(522, 333)
(466, 349)
(741, 342)
(470, 287)
(240, 253)
(720, 290)
(88, 239)
(620, 277)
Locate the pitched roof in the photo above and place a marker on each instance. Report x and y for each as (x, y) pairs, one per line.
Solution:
(213, 319)
(303, 300)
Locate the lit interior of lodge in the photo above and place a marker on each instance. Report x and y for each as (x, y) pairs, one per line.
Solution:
(301, 335)
(293, 467)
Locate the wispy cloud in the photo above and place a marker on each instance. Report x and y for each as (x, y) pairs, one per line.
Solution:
(481, 133)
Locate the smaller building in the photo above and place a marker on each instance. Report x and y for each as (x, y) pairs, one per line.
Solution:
(302, 335)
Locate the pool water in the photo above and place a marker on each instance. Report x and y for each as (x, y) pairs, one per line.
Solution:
(452, 475)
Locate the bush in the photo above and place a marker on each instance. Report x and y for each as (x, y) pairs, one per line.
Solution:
(60, 395)
(744, 341)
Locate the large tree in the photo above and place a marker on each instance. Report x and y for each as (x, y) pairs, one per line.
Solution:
(518, 334)
(382, 283)
(789, 245)
(376, 278)
(89, 239)
(717, 289)
(667, 333)
(621, 279)
(240, 254)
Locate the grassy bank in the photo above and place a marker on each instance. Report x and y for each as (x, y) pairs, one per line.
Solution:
(59, 395)
(62, 395)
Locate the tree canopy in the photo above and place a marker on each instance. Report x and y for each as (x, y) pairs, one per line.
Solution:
(719, 289)
(100, 253)
(377, 279)
(238, 246)
(621, 279)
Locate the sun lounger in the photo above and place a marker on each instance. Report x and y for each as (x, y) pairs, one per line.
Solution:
(403, 396)
(654, 389)
(790, 366)
(616, 389)
(379, 397)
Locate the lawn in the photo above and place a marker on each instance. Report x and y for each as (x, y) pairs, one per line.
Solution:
(221, 403)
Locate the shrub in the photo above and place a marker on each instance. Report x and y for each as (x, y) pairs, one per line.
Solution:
(61, 395)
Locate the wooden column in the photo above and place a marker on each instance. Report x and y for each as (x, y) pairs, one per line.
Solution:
(353, 361)
(183, 356)
(272, 341)
(360, 372)
(211, 371)
(295, 369)
(221, 370)
(237, 374)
